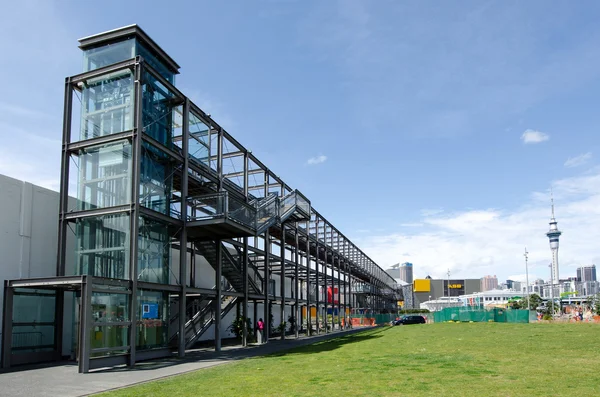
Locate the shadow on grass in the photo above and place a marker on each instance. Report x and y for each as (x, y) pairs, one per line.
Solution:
(333, 344)
(275, 348)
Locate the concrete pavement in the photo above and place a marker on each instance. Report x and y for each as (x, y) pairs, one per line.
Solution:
(64, 380)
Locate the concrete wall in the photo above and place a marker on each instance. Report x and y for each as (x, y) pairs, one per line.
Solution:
(28, 232)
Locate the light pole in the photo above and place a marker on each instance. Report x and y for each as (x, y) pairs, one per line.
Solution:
(527, 280)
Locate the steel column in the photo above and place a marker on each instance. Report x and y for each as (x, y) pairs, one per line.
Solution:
(134, 214)
(245, 308)
(255, 319)
(282, 280)
(85, 319)
(245, 260)
(219, 158)
(296, 305)
(219, 296)
(266, 318)
(7, 325)
(64, 180)
(317, 287)
(308, 307)
(183, 243)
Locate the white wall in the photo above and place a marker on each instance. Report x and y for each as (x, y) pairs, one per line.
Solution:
(28, 232)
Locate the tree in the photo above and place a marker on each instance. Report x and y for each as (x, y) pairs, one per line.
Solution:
(535, 300)
(596, 302)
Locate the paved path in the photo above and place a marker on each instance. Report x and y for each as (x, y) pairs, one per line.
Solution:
(64, 380)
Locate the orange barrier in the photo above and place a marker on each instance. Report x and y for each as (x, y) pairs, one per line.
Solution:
(365, 321)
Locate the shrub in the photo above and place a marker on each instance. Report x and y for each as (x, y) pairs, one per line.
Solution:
(237, 327)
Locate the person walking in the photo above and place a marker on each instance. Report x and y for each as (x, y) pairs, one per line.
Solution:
(260, 334)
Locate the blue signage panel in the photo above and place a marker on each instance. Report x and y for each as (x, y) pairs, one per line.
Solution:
(149, 310)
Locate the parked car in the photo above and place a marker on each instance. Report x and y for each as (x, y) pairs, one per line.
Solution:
(412, 319)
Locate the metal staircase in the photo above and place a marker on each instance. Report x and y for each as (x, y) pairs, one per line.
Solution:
(258, 215)
(267, 212)
(200, 315)
(229, 267)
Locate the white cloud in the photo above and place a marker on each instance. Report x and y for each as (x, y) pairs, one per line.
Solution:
(316, 160)
(477, 242)
(533, 136)
(414, 224)
(579, 160)
(427, 212)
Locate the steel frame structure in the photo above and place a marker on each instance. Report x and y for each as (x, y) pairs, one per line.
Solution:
(304, 248)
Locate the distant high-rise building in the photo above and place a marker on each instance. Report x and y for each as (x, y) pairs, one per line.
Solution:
(553, 236)
(489, 283)
(586, 273)
(406, 272)
(517, 286)
(514, 285)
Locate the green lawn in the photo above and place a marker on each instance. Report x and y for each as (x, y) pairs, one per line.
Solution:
(450, 359)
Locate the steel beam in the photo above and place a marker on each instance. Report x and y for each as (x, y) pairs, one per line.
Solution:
(116, 67)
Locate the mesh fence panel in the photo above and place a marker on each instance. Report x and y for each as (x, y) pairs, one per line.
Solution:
(467, 314)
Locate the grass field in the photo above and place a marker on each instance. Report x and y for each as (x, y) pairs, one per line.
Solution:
(449, 359)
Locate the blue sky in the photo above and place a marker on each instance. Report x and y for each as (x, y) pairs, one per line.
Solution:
(414, 114)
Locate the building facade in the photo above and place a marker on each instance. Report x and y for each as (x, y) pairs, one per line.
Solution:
(406, 272)
(489, 283)
(167, 225)
(433, 289)
(586, 273)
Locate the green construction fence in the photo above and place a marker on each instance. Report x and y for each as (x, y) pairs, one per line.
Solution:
(467, 314)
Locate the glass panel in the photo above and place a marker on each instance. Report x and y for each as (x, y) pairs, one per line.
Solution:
(103, 176)
(102, 336)
(107, 55)
(159, 113)
(107, 105)
(207, 206)
(156, 182)
(241, 212)
(154, 252)
(32, 338)
(95, 58)
(30, 305)
(155, 63)
(152, 319)
(199, 141)
(102, 247)
(110, 307)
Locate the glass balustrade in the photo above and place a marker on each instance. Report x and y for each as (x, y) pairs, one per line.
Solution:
(222, 205)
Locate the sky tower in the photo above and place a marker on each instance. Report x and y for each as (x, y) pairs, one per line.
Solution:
(553, 235)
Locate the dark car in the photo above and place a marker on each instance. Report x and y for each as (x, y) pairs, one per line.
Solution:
(413, 319)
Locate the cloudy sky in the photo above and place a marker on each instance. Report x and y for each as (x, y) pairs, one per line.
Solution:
(429, 132)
